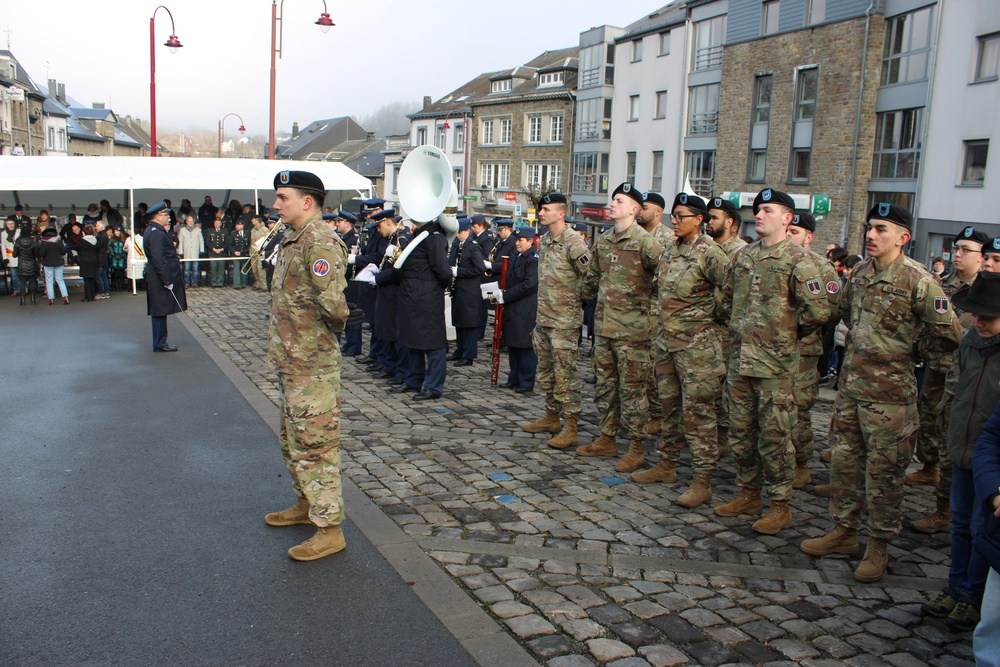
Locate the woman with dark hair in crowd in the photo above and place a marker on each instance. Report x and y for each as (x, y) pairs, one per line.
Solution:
(8, 236)
(27, 267)
(117, 260)
(86, 252)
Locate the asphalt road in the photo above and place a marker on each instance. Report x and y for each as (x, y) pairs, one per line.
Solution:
(132, 490)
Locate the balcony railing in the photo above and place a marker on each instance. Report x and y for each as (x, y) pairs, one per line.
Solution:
(707, 57)
(590, 78)
(704, 123)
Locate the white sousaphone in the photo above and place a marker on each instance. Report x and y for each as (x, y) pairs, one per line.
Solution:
(427, 192)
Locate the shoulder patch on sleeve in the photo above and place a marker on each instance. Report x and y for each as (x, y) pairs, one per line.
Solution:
(941, 305)
(584, 259)
(833, 286)
(321, 267)
(813, 286)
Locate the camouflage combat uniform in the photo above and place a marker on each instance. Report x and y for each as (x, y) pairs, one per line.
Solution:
(934, 404)
(256, 234)
(562, 264)
(772, 296)
(893, 316)
(730, 247)
(308, 309)
(807, 379)
(665, 235)
(689, 362)
(620, 275)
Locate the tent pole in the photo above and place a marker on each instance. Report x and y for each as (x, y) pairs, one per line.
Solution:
(131, 237)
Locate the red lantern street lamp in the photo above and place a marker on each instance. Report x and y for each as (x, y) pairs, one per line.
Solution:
(173, 44)
(277, 40)
(243, 130)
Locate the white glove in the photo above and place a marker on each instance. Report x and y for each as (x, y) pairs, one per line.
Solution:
(389, 249)
(170, 286)
(367, 274)
(351, 258)
(489, 265)
(488, 289)
(498, 296)
(369, 278)
(454, 271)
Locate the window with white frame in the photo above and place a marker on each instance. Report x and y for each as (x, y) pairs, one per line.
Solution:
(769, 17)
(542, 174)
(897, 144)
(62, 139)
(535, 130)
(458, 180)
(988, 58)
(591, 66)
(501, 86)
(395, 178)
(487, 138)
(421, 136)
(633, 107)
(505, 130)
(907, 47)
(708, 37)
(495, 175)
(555, 129)
(630, 167)
(656, 177)
(459, 145)
(441, 140)
(550, 79)
(974, 171)
(50, 143)
(701, 171)
(590, 172)
(661, 104)
(636, 50)
(815, 11)
(663, 40)
(703, 109)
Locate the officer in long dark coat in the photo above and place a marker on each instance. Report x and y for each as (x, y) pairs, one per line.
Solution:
(344, 223)
(394, 357)
(164, 280)
(420, 323)
(466, 298)
(372, 253)
(485, 238)
(520, 301)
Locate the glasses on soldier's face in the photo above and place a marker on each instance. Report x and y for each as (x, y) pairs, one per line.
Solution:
(964, 250)
(678, 217)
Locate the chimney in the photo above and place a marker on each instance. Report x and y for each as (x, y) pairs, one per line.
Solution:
(61, 95)
(370, 137)
(98, 105)
(295, 129)
(427, 102)
(53, 87)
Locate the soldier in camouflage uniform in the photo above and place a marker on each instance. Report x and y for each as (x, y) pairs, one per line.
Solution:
(934, 403)
(257, 234)
(651, 219)
(773, 296)
(807, 380)
(896, 311)
(723, 225)
(621, 273)
(563, 259)
(308, 310)
(689, 363)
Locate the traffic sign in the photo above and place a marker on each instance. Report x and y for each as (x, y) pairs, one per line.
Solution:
(517, 211)
(469, 197)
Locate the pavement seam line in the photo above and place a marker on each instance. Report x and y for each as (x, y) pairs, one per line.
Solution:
(486, 641)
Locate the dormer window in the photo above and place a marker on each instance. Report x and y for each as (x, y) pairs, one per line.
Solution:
(501, 86)
(550, 79)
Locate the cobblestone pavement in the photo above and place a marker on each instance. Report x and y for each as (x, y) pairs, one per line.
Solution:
(585, 567)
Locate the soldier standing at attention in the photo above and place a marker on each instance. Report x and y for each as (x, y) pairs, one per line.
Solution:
(723, 224)
(801, 231)
(467, 268)
(481, 232)
(216, 243)
(239, 246)
(621, 272)
(895, 310)
(934, 401)
(308, 310)
(563, 259)
(773, 296)
(689, 362)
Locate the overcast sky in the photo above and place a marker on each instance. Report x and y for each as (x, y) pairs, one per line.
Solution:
(379, 52)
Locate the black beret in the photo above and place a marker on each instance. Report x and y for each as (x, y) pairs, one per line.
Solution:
(628, 190)
(971, 234)
(723, 204)
(156, 208)
(890, 212)
(693, 202)
(770, 195)
(504, 223)
(805, 221)
(524, 233)
(553, 198)
(302, 180)
(347, 215)
(654, 198)
(992, 246)
(478, 219)
(379, 215)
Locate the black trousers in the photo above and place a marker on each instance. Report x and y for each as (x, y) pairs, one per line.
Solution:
(159, 331)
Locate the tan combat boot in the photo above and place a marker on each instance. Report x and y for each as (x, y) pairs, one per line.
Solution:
(802, 476)
(296, 514)
(634, 458)
(823, 490)
(840, 541)
(550, 422)
(664, 472)
(723, 442)
(926, 475)
(699, 493)
(326, 541)
(937, 522)
(567, 437)
(876, 558)
(606, 445)
(776, 518)
(747, 503)
(653, 427)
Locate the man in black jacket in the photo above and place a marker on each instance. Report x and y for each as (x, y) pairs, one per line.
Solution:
(164, 281)
(239, 246)
(103, 261)
(466, 298)
(520, 301)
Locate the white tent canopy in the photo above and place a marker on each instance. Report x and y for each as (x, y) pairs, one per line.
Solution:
(68, 184)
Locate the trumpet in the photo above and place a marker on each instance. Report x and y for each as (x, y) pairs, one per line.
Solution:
(258, 249)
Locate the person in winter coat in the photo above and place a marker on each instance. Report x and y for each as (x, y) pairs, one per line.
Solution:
(191, 244)
(8, 236)
(466, 298)
(986, 475)
(50, 252)
(164, 281)
(103, 261)
(86, 255)
(27, 266)
(118, 256)
(520, 301)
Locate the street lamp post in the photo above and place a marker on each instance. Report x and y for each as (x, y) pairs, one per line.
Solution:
(277, 40)
(243, 130)
(173, 44)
